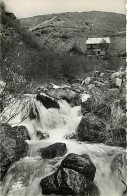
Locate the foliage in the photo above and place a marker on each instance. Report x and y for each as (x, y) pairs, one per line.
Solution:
(109, 107)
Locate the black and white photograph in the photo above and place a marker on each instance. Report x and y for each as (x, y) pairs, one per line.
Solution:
(63, 98)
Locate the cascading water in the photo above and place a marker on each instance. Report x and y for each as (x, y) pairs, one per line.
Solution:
(58, 125)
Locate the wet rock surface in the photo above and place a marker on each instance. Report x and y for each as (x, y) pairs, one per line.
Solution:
(49, 185)
(13, 145)
(54, 150)
(47, 101)
(81, 164)
(68, 181)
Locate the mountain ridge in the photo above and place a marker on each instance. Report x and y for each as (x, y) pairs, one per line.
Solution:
(72, 12)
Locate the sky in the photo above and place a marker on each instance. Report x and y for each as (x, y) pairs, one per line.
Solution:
(28, 8)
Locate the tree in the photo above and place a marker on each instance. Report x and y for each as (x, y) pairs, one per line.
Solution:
(104, 45)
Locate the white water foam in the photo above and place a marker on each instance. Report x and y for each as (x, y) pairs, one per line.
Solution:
(58, 124)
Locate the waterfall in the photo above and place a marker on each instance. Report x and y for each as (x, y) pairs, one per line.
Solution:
(59, 125)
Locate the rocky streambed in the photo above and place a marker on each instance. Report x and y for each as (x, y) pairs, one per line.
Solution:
(54, 141)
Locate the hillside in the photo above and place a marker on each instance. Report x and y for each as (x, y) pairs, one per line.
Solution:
(36, 50)
(23, 65)
(63, 31)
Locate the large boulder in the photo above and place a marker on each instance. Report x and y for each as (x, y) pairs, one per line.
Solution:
(67, 181)
(117, 82)
(87, 80)
(70, 181)
(72, 97)
(91, 129)
(117, 78)
(55, 93)
(13, 145)
(94, 129)
(118, 74)
(54, 150)
(81, 164)
(48, 102)
(49, 185)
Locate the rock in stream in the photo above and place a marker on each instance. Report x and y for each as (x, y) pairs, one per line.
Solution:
(71, 178)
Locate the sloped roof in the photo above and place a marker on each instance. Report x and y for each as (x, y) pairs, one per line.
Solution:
(98, 40)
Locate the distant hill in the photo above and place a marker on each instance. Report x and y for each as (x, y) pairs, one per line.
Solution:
(25, 65)
(62, 31)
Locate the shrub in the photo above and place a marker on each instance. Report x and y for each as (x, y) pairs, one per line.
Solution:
(65, 36)
(43, 31)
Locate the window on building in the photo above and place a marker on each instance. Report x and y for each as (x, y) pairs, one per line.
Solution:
(91, 46)
(88, 46)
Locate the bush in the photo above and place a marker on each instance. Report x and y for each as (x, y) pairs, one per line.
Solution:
(65, 36)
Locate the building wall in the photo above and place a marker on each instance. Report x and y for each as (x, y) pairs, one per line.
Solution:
(96, 49)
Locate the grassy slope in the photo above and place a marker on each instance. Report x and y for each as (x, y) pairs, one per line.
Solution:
(61, 31)
(25, 65)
